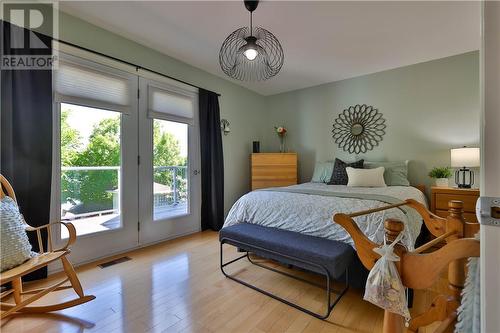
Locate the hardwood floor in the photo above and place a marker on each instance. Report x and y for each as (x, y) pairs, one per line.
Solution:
(177, 286)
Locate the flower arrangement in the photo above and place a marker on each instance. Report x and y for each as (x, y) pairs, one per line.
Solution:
(281, 131)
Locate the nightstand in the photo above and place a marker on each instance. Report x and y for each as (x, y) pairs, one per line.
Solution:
(440, 196)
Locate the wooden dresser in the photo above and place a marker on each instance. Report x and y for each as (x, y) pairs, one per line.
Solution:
(273, 169)
(440, 196)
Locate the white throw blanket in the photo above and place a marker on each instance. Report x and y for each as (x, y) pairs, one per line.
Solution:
(469, 312)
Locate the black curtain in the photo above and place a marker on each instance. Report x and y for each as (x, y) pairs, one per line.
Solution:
(212, 162)
(26, 136)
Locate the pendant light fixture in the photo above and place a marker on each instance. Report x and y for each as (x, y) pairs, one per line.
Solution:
(251, 54)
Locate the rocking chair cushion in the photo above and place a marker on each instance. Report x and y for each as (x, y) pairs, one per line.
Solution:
(15, 246)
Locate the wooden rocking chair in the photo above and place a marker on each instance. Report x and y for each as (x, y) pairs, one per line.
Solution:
(419, 270)
(15, 274)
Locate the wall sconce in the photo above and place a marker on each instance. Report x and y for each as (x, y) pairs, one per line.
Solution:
(224, 126)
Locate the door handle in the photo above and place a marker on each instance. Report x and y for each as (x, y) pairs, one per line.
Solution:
(196, 172)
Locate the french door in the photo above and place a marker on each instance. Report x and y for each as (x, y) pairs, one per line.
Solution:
(95, 178)
(169, 171)
(126, 157)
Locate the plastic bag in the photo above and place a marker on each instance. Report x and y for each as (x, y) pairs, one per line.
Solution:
(383, 286)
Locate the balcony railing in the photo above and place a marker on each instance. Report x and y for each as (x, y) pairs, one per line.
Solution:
(91, 191)
(178, 183)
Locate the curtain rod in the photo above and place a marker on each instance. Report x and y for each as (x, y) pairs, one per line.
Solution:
(129, 63)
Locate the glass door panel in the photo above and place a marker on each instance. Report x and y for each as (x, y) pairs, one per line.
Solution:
(90, 169)
(170, 176)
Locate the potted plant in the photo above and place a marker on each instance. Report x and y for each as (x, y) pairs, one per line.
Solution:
(441, 175)
(281, 131)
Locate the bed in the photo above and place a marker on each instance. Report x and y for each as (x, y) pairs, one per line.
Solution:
(293, 225)
(308, 208)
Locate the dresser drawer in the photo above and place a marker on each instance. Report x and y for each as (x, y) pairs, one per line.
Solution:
(274, 159)
(274, 171)
(442, 200)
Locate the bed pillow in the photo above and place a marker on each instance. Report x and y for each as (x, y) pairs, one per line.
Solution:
(365, 177)
(396, 173)
(15, 246)
(322, 172)
(339, 175)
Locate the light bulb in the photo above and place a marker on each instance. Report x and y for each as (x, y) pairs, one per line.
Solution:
(250, 54)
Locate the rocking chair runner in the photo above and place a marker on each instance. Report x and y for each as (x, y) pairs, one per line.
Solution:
(15, 274)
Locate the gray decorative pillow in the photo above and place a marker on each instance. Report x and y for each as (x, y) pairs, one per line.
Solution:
(339, 175)
(396, 173)
(322, 172)
(15, 246)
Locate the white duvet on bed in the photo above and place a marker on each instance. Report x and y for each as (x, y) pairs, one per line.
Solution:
(312, 214)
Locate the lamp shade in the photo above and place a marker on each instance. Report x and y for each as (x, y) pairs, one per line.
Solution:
(465, 157)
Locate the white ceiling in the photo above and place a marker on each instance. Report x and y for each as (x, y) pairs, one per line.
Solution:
(322, 41)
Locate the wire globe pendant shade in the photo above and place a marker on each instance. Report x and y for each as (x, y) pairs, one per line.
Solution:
(251, 54)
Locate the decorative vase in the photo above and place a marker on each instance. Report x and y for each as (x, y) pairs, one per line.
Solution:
(282, 143)
(442, 182)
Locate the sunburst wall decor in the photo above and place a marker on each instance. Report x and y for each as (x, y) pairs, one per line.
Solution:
(358, 129)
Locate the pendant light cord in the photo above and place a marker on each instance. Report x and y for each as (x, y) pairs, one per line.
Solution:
(251, 24)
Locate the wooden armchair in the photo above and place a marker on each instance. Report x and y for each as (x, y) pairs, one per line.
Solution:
(44, 258)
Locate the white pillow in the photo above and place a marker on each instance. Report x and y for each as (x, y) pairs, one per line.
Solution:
(365, 177)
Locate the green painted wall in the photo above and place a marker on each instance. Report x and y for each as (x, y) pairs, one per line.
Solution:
(429, 108)
(243, 108)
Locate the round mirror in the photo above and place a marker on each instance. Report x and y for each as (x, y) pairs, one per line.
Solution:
(356, 129)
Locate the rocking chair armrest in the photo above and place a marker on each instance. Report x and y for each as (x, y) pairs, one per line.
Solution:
(71, 232)
(71, 236)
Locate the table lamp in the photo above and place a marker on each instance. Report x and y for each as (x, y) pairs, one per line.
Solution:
(464, 159)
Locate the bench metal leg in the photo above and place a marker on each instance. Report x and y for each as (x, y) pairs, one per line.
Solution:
(322, 268)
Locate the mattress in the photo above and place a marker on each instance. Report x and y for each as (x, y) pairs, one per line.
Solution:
(308, 208)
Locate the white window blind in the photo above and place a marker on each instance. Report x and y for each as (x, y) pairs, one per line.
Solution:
(89, 86)
(170, 105)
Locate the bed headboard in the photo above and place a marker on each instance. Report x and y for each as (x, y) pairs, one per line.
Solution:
(421, 187)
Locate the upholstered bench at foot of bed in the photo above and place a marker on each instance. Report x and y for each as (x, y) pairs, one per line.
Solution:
(320, 255)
